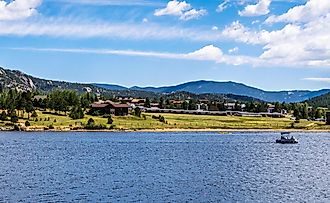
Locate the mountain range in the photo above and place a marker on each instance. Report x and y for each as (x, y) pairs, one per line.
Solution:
(212, 87)
(19, 80)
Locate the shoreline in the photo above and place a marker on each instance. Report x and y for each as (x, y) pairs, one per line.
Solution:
(178, 130)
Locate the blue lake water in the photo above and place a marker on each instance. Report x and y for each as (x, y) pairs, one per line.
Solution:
(163, 167)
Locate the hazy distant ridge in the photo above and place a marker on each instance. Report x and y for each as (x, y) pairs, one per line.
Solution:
(203, 87)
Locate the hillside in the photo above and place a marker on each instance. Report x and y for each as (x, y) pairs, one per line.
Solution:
(21, 81)
(211, 87)
(320, 101)
(199, 90)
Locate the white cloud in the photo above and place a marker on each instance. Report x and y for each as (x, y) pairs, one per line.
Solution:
(233, 50)
(261, 8)
(310, 11)
(223, 6)
(297, 44)
(207, 53)
(145, 20)
(110, 2)
(193, 14)
(90, 29)
(18, 9)
(240, 33)
(326, 80)
(255, 22)
(214, 28)
(181, 9)
(294, 45)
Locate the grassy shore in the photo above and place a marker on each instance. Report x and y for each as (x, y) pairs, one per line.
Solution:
(173, 122)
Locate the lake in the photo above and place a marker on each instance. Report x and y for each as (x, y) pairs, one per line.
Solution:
(163, 167)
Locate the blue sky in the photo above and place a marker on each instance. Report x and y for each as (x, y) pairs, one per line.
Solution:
(270, 44)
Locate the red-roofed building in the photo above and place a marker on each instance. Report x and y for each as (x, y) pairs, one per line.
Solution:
(109, 107)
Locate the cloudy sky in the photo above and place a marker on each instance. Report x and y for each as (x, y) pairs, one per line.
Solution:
(270, 44)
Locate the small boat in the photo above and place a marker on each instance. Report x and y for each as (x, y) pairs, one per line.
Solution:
(285, 133)
(286, 140)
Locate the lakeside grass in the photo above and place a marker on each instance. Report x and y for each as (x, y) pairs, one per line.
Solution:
(174, 121)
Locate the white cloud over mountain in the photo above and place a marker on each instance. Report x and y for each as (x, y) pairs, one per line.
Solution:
(182, 9)
(207, 53)
(324, 80)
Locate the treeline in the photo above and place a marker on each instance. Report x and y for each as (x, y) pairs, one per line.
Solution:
(299, 110)
(321, 101)
(17, 103)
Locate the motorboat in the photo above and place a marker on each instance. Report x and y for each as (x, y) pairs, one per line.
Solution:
(286, 140)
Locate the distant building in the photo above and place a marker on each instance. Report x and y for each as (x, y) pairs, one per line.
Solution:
(137, 102)
(177, 103)
(203, 101)
(202, 106)
(271, 108)
(283, 111)
(328, 117)
(154, 105)
(38, 97)
(230, 106)
(109, 107)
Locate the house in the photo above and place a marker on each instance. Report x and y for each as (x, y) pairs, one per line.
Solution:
(271, 108)
(154, 105)
(109, 107)
(283, 111)
(328, 117)
(137, 102)
(230, 106)
(202, 107)
(178, 104)
(203, 101)
(39, 97)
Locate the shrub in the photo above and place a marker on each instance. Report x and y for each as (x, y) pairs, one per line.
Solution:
(90, 121)
(55, 120)
(51, 126)
(17, 127)
(162, 119)
(14, 119)
(27, 123)
(34, 114)
(96, 127)
(94, 113)
(36, 120)
(3, 116)
(137, 112)
(110, 120)
(76, 113)
(92, 126)
(106, 116)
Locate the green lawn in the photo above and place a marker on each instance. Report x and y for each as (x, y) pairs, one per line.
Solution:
(174, 121)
